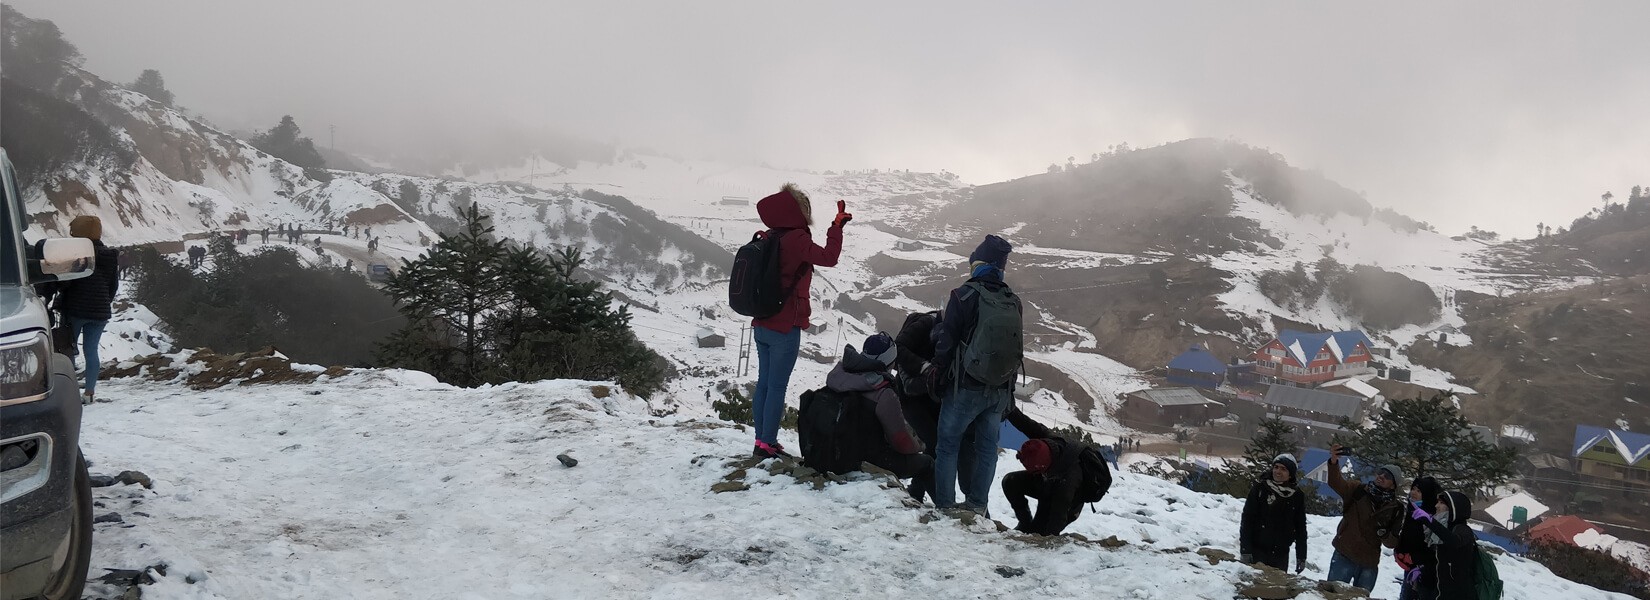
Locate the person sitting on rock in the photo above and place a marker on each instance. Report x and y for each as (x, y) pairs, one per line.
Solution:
(1061, 474)
(891, 444)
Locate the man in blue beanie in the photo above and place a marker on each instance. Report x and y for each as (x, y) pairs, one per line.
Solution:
(977, 352)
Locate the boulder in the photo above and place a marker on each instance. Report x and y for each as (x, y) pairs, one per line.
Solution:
(729, 486)
(135, 477)
(1007, 571)
(1216, 556)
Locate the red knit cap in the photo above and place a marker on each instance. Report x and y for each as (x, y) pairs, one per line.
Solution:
(1034, 454)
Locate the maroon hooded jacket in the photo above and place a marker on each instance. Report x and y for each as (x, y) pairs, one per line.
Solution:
(796, 249)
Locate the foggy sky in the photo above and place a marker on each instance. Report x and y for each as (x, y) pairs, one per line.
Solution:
(1497, 114)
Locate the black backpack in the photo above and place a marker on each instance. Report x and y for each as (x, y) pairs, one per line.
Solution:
(754, 286)
(1096, 475)
(831, 428)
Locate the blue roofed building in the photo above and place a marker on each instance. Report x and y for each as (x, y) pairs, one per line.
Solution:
(1198, 368)
(1613, 458)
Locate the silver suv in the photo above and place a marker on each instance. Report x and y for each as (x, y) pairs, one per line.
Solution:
(45, 493)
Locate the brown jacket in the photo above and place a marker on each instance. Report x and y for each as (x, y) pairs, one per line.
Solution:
(1366, 524)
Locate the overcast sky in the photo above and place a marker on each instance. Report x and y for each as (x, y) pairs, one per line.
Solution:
(1498, 114)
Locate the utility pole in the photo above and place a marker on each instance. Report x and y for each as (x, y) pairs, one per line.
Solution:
(332, 137)
(747, 338)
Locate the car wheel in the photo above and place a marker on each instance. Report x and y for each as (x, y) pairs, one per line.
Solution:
(69, 582)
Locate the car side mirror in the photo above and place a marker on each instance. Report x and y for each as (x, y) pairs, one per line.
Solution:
(62, 259)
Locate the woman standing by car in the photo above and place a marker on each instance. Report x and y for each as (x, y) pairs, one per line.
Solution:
(85, 303)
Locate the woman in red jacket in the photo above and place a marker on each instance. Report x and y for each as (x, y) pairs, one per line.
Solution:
(788, 214)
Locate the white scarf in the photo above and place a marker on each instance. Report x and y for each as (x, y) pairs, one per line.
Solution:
(1280, 490)
(1432, 538)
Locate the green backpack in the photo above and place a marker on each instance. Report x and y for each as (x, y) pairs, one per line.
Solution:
(992, 353)
(1489, 579)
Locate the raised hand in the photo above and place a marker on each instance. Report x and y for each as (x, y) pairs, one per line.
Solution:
(1420, 514)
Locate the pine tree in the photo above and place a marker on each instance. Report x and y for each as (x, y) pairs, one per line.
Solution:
(1430, 437)
(481, 310)
(284, 142)
(445, 295)
(36, 53)
(1235, 477)
(409, 198)
(151, 84)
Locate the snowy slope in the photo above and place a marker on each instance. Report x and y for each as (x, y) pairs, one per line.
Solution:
(692, 194)
(189, 179)
(1444, 264)
(386, 484)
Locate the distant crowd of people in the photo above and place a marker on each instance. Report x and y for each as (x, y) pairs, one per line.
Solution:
(292, 234)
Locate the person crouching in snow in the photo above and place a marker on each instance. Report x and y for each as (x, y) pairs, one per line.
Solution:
(895, 447)
(1274, 517)
(788, 214)
(1061, 474)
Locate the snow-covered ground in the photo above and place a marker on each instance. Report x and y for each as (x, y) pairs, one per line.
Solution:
(386, 484)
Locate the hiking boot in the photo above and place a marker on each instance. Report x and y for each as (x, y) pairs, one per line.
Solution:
(961, 513)
(86, 398)
(766, 450)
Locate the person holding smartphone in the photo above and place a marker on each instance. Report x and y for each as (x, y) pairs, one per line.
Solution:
(1372, 514)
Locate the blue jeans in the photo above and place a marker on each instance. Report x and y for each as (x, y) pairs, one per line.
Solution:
(775, 358)
(1344, 570)
(89, 331)
(977, 414)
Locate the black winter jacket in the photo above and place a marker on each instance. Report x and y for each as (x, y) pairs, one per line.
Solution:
(1273, 522)
(1412, 550)
(916, 346)
(1064, 479)
(1455, 574)
(90, 297)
